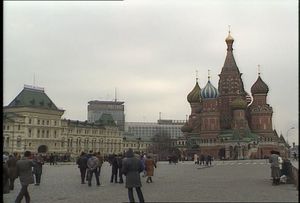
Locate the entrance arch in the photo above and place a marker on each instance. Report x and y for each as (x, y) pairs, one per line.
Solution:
(42, 149)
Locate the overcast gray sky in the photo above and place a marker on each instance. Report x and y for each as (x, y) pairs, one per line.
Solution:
(149, 52)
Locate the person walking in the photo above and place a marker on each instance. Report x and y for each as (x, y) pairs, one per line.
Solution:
(150, 164)
(131, 168)
(12, 170)
(24, 171)
(195, 158)
(143, 159)
(275, 170)
(82, 165)
(209, 158)
(51, 159)
(114, 169)
(119, 160)
(202, 158)
(5, 176)
(38, 168)
(92, 164)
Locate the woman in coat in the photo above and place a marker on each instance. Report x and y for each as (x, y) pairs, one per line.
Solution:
(149, 164)
(275, 170)
(131, 168)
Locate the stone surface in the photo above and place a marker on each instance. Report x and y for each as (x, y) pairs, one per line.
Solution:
(224, 181)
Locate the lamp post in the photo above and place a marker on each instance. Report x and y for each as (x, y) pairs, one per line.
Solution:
(139, 139)
(287, 139)
(287, 134)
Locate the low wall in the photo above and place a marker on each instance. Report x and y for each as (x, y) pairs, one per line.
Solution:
(295, 174)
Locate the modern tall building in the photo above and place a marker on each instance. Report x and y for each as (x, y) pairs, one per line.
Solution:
(33, 122)
(227, 122)
(172, 128)
(115, 108)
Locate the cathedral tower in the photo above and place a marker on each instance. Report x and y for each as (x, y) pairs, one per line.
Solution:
(230, 85)
(260, 111)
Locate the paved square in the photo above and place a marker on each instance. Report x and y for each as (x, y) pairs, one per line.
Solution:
(228, 181)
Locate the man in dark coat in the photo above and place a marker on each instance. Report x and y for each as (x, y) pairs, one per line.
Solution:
(38, 168)
(82, 165)
(119, 160)
(24, 171)
(12, 170)
(114, 169)
(51, 159)
(131, 168)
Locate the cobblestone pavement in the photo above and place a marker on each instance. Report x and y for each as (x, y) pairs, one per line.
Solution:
(224, 181)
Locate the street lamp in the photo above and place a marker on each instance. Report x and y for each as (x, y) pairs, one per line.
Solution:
(139, 139)
(287, 135)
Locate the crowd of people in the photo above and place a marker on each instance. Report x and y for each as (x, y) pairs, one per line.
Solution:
(203, 159)
(128, 165)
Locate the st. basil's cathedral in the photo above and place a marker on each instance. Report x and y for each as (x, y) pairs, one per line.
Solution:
(226, 122)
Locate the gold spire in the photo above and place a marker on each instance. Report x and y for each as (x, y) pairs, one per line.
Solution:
(229, 37)
(196, 75)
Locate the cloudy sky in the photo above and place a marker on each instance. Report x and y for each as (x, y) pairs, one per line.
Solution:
(149, 51)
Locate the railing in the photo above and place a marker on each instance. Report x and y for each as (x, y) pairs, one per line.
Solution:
(295, 173)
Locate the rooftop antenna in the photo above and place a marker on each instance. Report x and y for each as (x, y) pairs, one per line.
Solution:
(258, 69)
(208, 74)
(196, 75)
(159, 115)
(34, 79)
(115, 94)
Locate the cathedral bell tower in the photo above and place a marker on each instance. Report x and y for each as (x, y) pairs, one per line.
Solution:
(230, 85)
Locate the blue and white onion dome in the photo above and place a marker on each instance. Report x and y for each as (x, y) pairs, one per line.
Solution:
(209, 91)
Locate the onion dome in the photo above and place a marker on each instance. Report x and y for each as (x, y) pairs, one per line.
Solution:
(229, 41)
(194, 95)
(248, 98)
(209, 91)
(259, 87)
(229, 38)
(239, 103)
(186, 128)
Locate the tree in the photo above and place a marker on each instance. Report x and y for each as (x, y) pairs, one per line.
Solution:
(162, 144)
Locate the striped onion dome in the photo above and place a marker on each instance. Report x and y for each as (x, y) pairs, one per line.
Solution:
(209, 91)
(259, 87)
(194, 95)
(238, 103)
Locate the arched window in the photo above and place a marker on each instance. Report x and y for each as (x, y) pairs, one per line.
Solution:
(7, 141)
(19, 141)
